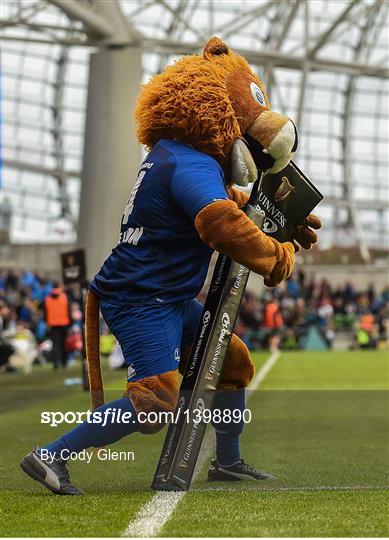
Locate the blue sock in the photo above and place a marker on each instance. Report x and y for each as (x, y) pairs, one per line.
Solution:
(93, 434)
(228, 433)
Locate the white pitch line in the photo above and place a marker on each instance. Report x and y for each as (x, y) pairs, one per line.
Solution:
(262, 373)
(299, 489)
(158, 510)
(154, 514)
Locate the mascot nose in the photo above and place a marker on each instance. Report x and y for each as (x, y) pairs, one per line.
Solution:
(272, 140)
(284, 142)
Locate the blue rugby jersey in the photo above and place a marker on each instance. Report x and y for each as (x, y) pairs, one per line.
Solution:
(160, 256)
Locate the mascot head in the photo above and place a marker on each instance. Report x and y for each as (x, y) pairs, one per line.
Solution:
(215, 103)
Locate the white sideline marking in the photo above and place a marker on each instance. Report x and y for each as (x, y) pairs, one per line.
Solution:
(158, 510)
(264, 370)
(300, 489)
(154, 514)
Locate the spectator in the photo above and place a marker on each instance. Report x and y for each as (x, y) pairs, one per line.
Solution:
(273, 322)
(57, 318)
(290, 310)
(107, 342)
(73, 342)
(280, 318)
(24, 346)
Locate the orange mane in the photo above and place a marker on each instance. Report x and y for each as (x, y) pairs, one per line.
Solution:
(190, 102)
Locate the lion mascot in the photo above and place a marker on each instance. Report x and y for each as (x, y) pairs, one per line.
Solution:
(207, 123)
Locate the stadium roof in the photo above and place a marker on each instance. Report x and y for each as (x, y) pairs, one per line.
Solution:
(325, 64)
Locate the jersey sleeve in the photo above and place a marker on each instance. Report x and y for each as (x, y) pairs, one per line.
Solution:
(197, 182)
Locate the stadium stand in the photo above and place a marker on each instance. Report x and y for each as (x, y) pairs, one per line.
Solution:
(306, 313)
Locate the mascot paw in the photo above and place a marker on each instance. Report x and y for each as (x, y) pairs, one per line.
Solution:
(304, 235)
(284, 267)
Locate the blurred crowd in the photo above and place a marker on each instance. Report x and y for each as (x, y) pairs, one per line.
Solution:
(282, 317)
(41, 322)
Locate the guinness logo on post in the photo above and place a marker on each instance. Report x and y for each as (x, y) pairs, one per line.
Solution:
(206, 317)
(200, 405)
(181, 402)
(284, 190)
(269, 226)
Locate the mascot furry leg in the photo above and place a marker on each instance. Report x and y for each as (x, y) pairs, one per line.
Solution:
(155, 394)
(238, 371)
(159, 393)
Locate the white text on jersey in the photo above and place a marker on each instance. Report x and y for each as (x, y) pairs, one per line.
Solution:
(130, 204)
(131, 236)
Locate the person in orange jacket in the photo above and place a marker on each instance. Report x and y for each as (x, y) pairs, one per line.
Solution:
(273, 322)
(272, 317)
(57, 317)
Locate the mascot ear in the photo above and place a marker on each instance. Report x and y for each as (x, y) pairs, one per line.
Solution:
(214, 47)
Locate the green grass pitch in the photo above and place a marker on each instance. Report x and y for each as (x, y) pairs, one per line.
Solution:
(319, 423)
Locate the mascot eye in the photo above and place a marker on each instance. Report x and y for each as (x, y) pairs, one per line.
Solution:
(257, 94)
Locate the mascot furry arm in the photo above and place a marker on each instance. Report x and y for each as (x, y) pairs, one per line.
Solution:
(215, 103)
(304, 235)
(225, 228)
